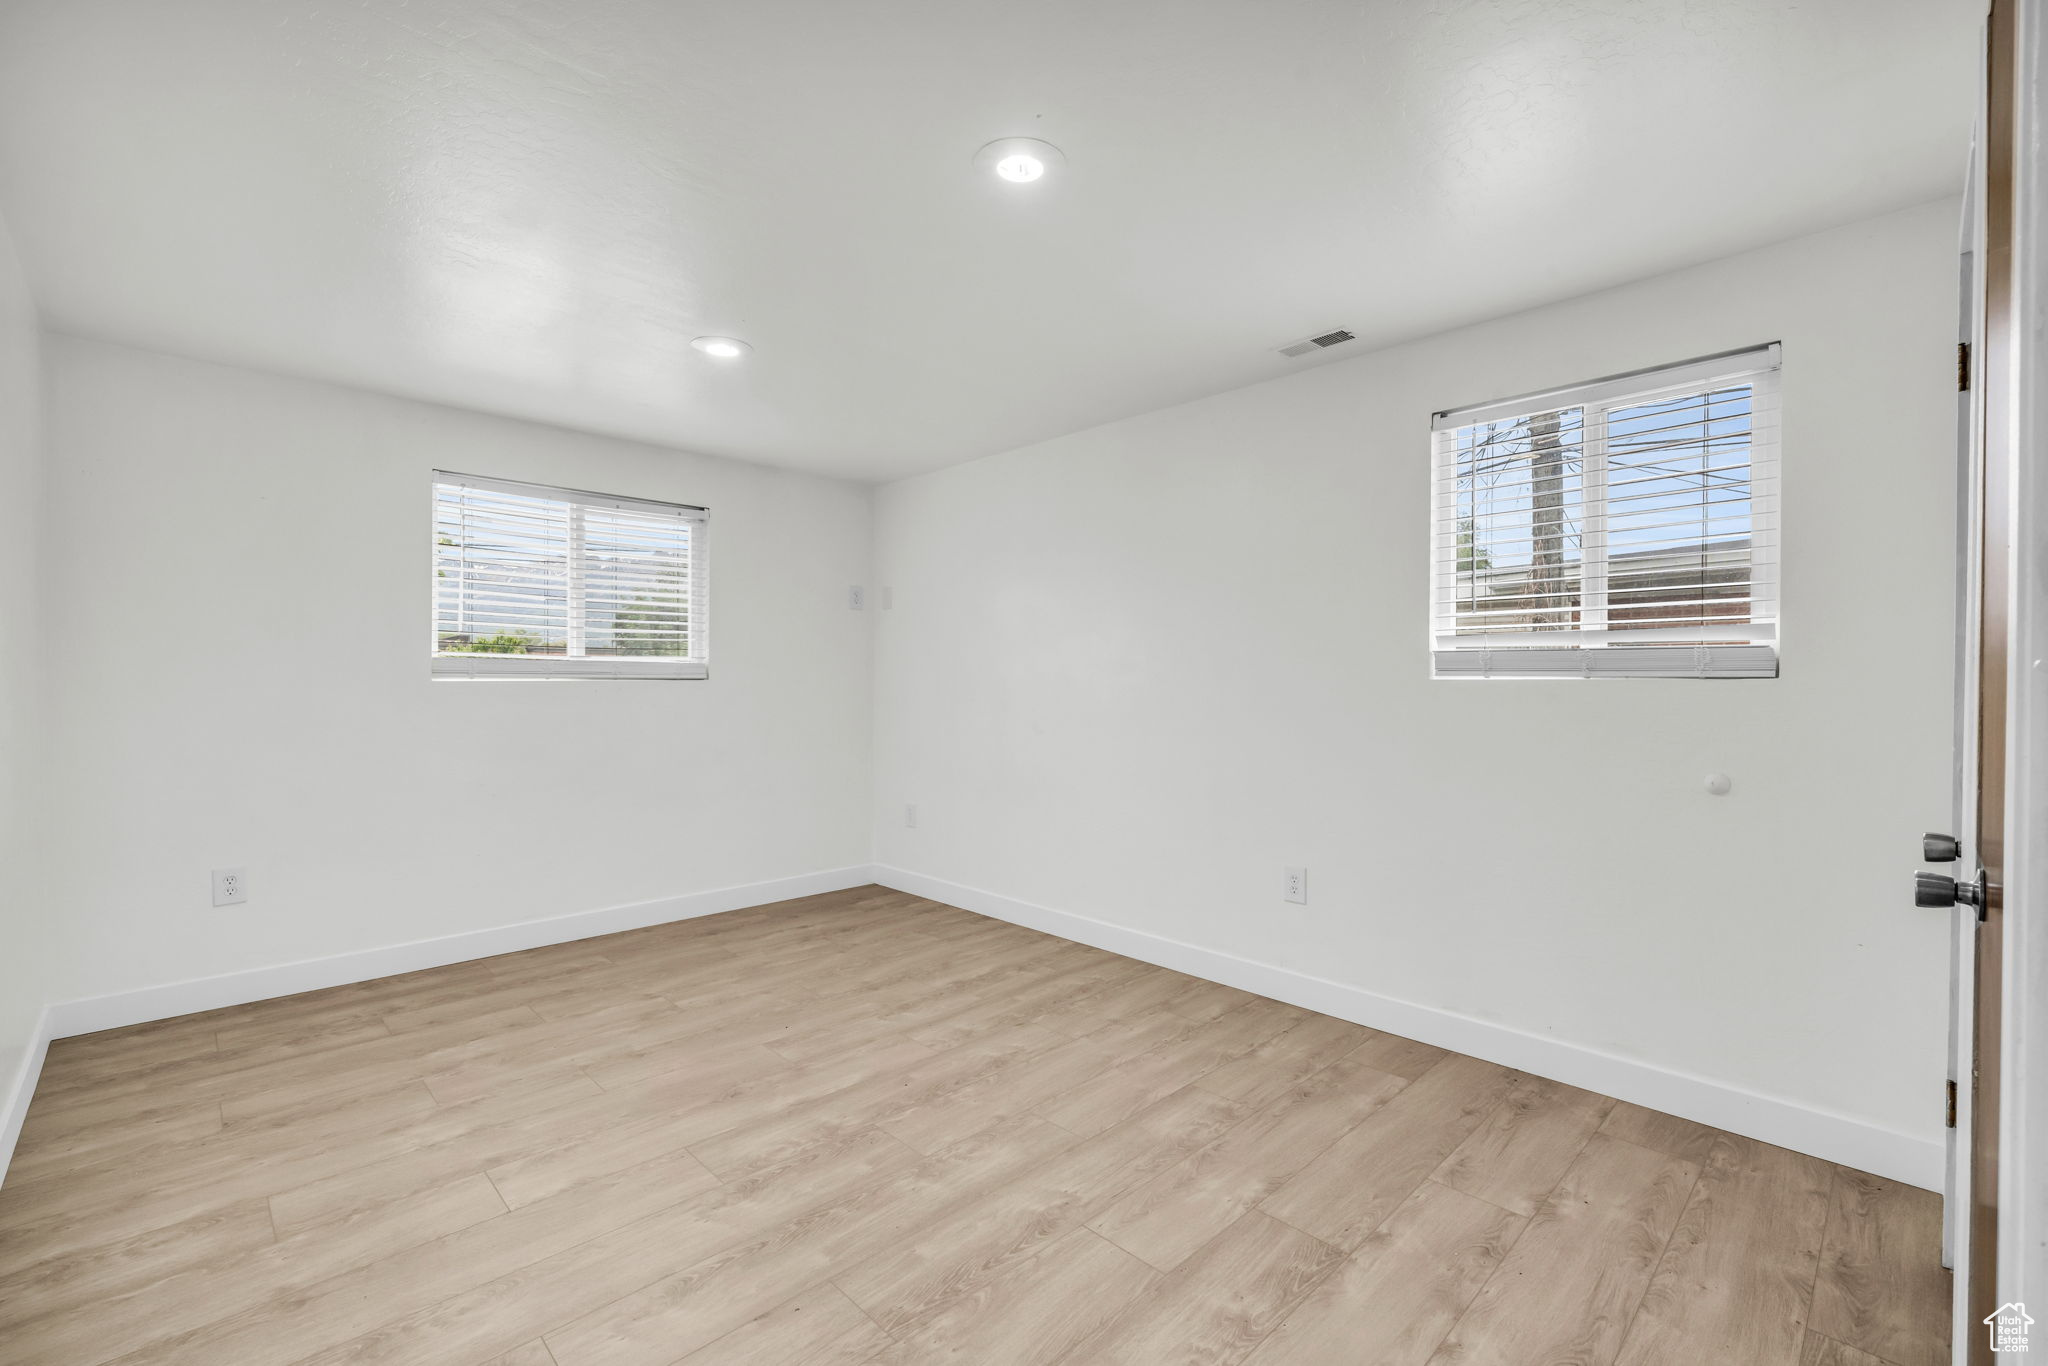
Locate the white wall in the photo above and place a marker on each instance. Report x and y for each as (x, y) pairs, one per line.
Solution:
(21, 495)
(238, 609)
(1133, 672)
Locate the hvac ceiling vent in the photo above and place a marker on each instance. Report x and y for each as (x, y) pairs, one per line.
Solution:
(1302, 348)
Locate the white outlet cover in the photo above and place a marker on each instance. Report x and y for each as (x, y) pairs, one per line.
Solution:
(1294, 885)
(910, 815)
(856, 597)
(230, 886)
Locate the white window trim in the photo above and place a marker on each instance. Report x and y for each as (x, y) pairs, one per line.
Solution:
(1546, 654)
(464, 665)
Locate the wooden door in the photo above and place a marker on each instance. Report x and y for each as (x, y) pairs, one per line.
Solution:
(1991, 379)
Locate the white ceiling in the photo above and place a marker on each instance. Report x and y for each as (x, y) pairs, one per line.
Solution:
(532, 206)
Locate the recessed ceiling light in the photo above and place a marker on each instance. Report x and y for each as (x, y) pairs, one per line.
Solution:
(725, 348)
(1020, 160)
(1020, 167)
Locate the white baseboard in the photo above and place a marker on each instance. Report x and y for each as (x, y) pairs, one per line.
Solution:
(22, 1086)
(1771, 1119)
(288, 979)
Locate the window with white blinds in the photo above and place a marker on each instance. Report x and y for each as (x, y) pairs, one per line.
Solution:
(538, 582)
(1622, 528)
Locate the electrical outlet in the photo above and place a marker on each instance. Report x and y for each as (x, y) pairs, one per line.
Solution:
(1294, 886)
(910, 815)
(230, 886)
(856, 597)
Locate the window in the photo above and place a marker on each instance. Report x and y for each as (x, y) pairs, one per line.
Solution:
(1623, 528)
(536, 582)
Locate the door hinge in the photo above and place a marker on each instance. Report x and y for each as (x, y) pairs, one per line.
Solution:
(1951, 1105)
(1962, 367)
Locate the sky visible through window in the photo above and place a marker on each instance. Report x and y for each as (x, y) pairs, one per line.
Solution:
(1678, 515)
(513, 574)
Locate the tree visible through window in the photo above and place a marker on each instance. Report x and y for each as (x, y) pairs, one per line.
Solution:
(1623, 527)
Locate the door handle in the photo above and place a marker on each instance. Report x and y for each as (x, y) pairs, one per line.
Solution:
(1935, 891)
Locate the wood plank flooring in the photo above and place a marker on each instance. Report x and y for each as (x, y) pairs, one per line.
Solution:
(865, 1129)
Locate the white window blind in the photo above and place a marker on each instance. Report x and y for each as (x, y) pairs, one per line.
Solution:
(538, 582)
(1622, 528)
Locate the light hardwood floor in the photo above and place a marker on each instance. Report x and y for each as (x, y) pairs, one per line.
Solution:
(867, 1128)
